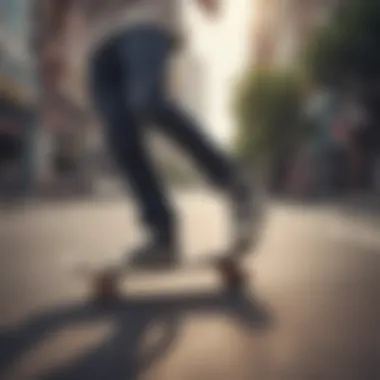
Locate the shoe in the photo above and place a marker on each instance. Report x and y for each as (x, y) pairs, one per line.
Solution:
(153, 255)
(247, 215)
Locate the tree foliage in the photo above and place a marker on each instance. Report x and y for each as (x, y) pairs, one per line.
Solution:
(267, 108)
(348, 48)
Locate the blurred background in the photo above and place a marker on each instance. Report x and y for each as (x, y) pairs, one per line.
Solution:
(291, 86)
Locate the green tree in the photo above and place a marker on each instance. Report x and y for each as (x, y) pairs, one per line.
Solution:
(267, 107)
(346, 51)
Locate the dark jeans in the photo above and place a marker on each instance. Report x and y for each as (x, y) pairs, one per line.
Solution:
(128, 86)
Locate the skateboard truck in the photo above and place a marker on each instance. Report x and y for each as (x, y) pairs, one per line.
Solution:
(106, 286)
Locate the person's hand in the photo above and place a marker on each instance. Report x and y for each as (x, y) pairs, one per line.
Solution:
(210, 7)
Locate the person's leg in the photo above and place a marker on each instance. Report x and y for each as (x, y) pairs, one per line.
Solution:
(125, 138)
(146, 55)
(217, 166)
(181, 127)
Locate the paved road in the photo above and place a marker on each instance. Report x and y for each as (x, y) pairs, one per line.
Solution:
(311, 310)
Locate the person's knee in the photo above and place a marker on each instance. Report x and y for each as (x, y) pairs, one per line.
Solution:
(144, 104)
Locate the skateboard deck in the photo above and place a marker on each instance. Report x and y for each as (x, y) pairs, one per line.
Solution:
(105, 281)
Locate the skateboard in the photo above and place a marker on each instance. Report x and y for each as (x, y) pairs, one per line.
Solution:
(105, 282)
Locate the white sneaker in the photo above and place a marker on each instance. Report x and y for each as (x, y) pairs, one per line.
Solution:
(247, 216)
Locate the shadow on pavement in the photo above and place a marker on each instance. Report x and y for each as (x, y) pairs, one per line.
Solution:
(118, 357)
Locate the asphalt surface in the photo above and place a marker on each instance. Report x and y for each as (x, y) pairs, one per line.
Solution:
(310, 310)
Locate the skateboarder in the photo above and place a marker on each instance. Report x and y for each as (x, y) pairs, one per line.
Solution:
(130, 45)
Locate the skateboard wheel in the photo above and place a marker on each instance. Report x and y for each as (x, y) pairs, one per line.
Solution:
(232, 276)
(106, 287)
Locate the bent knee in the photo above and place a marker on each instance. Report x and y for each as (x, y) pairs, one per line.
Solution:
(144, 104)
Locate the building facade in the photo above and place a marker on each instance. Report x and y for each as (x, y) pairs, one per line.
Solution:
(17, 93)
(282, 28)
